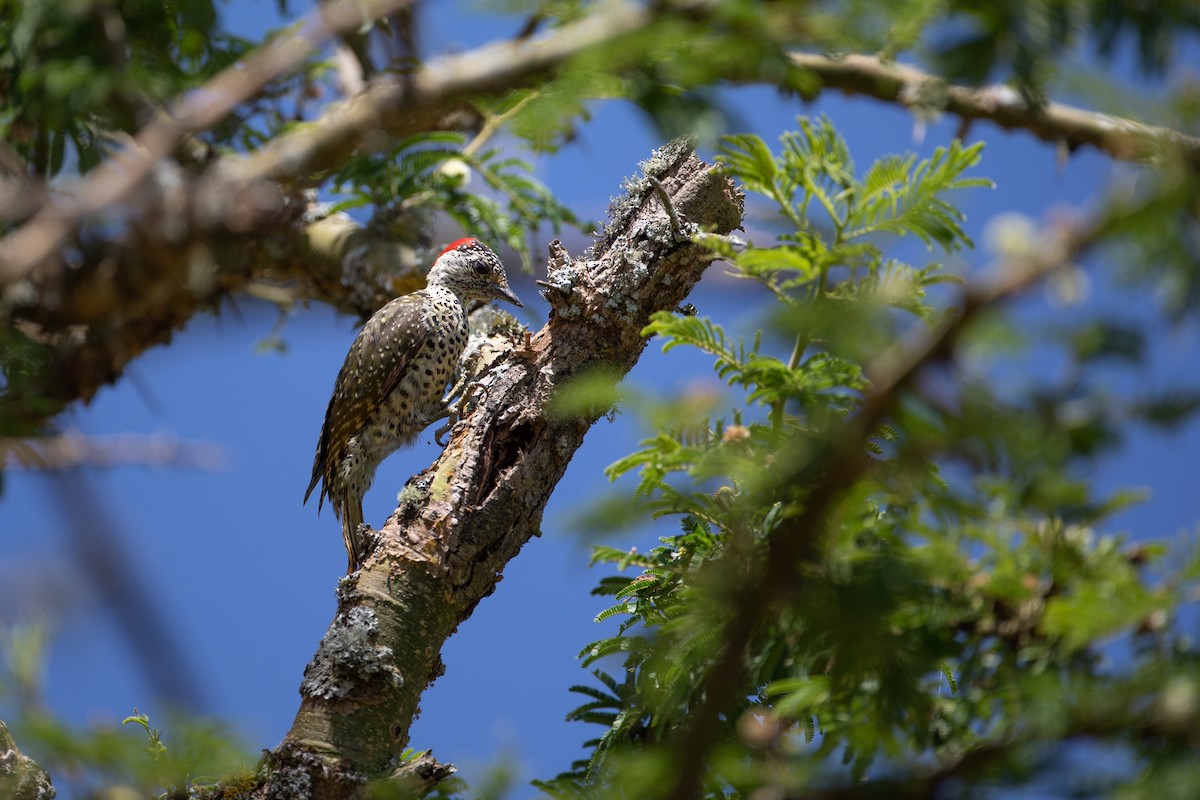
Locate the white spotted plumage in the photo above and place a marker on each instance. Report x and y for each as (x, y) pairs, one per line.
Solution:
(392, 383)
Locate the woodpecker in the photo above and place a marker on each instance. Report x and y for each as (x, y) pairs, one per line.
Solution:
(391, 386)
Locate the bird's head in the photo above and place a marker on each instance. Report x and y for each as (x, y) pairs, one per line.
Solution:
(472, 271)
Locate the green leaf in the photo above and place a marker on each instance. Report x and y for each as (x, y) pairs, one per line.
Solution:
(748, 158)
(1169, 409)
(612, 611)
(1096, 610)
(798, 697)
(902, 196)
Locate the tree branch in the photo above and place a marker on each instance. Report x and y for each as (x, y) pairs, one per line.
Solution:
(21, 778)
(461, 520)
(74, 449)
(394, 105)
(190, 242)
(198, 110)
(1059, 124)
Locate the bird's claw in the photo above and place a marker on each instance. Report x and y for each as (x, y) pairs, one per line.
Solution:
(454, 410)
(442, 431)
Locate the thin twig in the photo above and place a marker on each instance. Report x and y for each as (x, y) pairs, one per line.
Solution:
(493, 122)
(665, 199)
(94, 538)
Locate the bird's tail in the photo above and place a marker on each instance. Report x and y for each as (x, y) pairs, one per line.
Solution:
(352, 517)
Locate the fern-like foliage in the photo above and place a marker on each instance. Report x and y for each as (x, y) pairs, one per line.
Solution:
(900, 195)
(938, 595)
(839, 218)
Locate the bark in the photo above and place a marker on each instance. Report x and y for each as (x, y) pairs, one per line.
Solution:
(462, 519)
(21, 778)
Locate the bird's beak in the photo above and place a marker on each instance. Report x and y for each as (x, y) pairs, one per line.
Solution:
(505, 293)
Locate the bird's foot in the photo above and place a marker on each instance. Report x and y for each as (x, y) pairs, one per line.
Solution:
(457, 402)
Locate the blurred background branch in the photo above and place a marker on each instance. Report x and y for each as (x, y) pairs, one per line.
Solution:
(929, 96)
(72, 448)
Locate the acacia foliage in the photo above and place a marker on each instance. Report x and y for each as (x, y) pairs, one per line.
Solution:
(958, 614)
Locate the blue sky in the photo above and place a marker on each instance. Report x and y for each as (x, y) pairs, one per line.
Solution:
(244, 574)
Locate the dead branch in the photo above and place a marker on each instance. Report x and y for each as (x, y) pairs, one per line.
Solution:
(462, 519)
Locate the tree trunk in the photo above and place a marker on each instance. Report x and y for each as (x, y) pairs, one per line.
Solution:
(462, 519)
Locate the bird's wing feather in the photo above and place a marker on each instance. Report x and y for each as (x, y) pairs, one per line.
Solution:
(368, 376)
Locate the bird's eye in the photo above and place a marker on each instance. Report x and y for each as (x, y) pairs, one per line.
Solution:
(482, 269)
